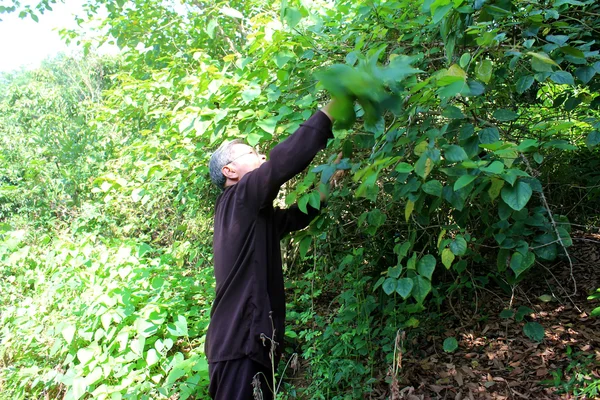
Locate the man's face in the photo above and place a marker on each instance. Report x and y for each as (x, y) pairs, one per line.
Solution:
(243, 160)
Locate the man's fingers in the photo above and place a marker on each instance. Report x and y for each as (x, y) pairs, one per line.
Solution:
(336, 177)
(338, 158)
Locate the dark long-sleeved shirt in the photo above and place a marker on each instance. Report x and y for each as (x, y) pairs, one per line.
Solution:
(247, 256)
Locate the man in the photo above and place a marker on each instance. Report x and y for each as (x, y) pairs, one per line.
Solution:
(246, 331)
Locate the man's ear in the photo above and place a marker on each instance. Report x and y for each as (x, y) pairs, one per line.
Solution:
(229, 172)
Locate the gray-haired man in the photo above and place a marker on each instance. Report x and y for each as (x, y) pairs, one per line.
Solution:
(248, 314)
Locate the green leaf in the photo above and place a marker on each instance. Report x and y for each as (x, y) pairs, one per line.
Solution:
(292, 16)
(68, 333)
(517, 196)
(395, 271)
(496, 167)
(543, 57)
(564, 236)
(404, 287)
(538, 158)
(546, 298)
(560, 40)
(447, 258)
(426, 266)
(495, 187)
(424, 165)
(593, 139)
(458, 246)
(504, 115)
(562, 78)
(174, 375)
(304, 245)
(455, 153)
(314, 200)
(524, 83)
(534, 331)
(422, 287)
(268, 124)
(404, 168)
(433, 187)
(450, 345)
(251, 92)
(441, 12)
(282, 58)
(152, 357)
(179, 327)
(389, 286)
(483, 71)
(489, 135)
(410, 206)
(402, 249)
(506, 313)
(463, 181)
(411, 264)
(376, 218)
(464, 60)
(520, 263)
(527, 145)
(453, 112)
(144, 327)
(84, 355)
(303, 202)
(585, 74)
(143, 249)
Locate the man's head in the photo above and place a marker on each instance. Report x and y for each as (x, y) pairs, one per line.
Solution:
(232, 161)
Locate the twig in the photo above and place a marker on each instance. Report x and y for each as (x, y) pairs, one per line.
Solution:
(554, 225)
(559, 285)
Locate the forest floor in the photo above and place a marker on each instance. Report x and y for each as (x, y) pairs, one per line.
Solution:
(495, 359)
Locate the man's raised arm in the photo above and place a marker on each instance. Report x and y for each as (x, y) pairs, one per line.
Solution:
(290, 157)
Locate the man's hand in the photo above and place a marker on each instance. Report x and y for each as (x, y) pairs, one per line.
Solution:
(334, 181)
(327, 109)
(337, 176)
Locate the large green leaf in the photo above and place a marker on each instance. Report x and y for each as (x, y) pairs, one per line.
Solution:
(517, 196)
(489, 135)
(426, 266)
(505, 115)
(433, 187)
(593, 139)
(404, 287)
(464, 181)
(534, 331)
(585, 74)
(389, 286)
(520, 263)
(450, 345)
(483, 71)
(455, 153)
(459, 245)
(562, 78)
(447, 258)
(524, 83)
(421, 288)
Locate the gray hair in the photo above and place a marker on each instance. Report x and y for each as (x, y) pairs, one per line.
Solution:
(220, 158)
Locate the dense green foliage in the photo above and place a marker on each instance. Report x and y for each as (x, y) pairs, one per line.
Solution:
(476, 125)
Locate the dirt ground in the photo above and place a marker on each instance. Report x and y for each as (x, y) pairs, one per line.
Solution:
(495, 359)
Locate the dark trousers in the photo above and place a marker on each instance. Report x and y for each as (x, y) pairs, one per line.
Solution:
(232, 380)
